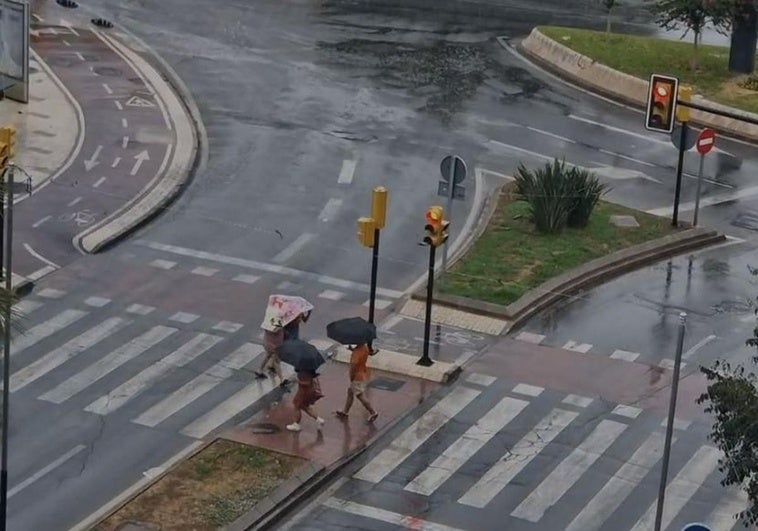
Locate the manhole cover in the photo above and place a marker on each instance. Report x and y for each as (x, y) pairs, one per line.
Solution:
(264, 428)
(386, 384)
(107, 71)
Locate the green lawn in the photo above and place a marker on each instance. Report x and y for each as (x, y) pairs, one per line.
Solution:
(511, 257)
(642, 56)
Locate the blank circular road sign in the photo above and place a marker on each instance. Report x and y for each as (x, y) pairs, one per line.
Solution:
(705, 141)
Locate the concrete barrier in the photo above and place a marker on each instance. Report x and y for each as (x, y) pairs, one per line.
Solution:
(619, 86)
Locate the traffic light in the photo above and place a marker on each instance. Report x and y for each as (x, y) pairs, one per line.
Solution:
(661, 103)
(682, 112)
(366, 228)
(379, 206)
(436, 226)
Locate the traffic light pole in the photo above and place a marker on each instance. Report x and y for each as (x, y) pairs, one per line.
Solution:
(374, 268)
(679, 167)
(6, 356)
(425, 360)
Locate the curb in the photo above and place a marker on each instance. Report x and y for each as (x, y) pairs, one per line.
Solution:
(164, 188)
(588, 275)
(624, 88)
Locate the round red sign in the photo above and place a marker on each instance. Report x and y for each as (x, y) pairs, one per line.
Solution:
(705, 141)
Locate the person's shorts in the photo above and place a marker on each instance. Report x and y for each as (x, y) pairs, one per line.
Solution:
(358, 387)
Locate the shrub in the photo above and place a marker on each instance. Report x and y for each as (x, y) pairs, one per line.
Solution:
(558, 195)
(586, 190)
(545, 189)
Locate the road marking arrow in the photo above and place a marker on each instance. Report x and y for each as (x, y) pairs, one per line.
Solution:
(92, 162)
(141, 157)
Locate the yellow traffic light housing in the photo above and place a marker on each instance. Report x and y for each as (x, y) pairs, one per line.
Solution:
(434, 225)
(661, 103)
(8, 137)
(379, 206)
(685, 95)
(366, 228)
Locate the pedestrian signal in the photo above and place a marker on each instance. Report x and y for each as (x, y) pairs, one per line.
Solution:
(661, 103)
(8, 137)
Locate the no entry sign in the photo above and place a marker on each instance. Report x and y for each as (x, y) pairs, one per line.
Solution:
(705, 141)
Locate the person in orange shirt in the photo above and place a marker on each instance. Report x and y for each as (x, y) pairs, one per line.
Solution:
(359, 376)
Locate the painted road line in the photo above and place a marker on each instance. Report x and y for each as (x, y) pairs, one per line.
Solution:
(330, 209)
(74, 201)
(200, 385)
(552, 135)
(126, 391)
(118, 105)
(646, 138)
(568, 472)
(582, 348)
(529, 337)
(528, 390)
(124, 123)
(722, 516)
(416, 434)
(625, 355)
(716, 199)
(517, 458)
(79, 55)
(623, 482)
(97, 183)
(233, 405)
(473, 440)
(40, 221)
(115, 162)
(59, 356)
(391, 322)
(347, 172)
(682, 488)
(517, 149)
(107, 88)
(140, 157)
(576, 400)
(39, 273)
(107, 364)
(39, 257)
(45, 470)
(400, 520)
(37, 17)
(700, 344)
(27, 306)
(44, 330)
(626, 157)
(293, 248)
(269, 268)
(125, 142)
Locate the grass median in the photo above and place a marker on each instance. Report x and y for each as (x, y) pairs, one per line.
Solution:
(511, 257)
(208, 491)
(642, 56)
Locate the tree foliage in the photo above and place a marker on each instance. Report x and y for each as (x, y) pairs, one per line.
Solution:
(732, 398)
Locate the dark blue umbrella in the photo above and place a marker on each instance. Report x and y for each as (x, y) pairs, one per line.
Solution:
(351, 331)
(301, 355)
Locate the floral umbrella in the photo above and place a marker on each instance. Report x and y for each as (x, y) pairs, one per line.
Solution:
(283, 309)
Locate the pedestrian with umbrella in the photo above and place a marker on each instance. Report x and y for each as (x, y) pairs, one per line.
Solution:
(357, 334)
(273, 337)
(306, 359)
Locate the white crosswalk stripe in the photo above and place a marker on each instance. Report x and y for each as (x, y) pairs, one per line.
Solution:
(200, 385)
(65, 352)
(126, 391)
(722, 517)
(108, 364)
(44, 330)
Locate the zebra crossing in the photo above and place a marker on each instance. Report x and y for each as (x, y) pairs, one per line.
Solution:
(105, 357)
(510, 456)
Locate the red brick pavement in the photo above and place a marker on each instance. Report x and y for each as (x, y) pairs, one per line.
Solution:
(338, 438)
(619, 381)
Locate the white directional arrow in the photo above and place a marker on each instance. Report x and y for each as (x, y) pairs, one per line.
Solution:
(141, 157)
(92, 162)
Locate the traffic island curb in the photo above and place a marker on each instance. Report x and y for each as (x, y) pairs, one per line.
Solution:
(588, 275)
(188, 154)
(600, 79)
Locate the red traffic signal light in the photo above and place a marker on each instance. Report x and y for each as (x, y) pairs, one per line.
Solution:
(661, 103)
(436, 226)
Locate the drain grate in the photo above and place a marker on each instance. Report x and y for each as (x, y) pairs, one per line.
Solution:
(386, 384)
(264, 428)
(102, 23)
(67, 3)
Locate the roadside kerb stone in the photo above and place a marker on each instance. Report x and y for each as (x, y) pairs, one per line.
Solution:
(405, 364)
(619, 86)
(588, 275)
(165, 186)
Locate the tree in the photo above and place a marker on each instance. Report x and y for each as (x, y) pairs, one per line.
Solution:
(693, 16)
(609, 5)
(744, 26)
(732, 398)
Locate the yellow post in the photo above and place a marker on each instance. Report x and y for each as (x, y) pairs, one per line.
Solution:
(685, 95)
(379, 206)
(366, 228)
(8, 137)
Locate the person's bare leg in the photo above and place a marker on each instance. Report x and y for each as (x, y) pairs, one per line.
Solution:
(372, 414)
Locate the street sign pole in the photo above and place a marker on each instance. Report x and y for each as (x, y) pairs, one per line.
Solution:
(697, 194)
(680, 164)
(425, 360)
(6, 355)
(448, 211)
(374, 267)
(670, 423)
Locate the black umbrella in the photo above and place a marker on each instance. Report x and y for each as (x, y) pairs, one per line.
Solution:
(351, 331)
(301, 355)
